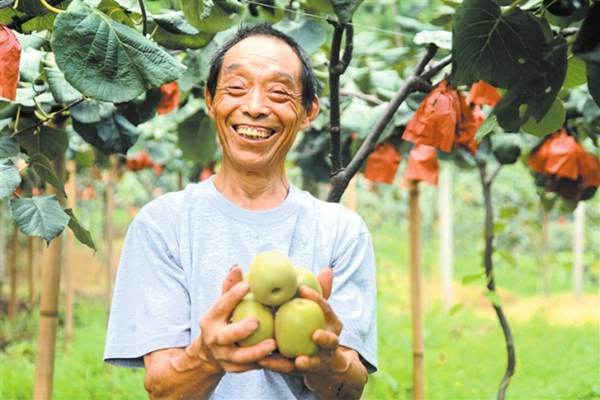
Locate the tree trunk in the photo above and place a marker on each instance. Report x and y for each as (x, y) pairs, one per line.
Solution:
(71, 189)
(416, 296)
(30, 269)
(12, 271)
(46, 341)
(446, 235)
(578, 249)
(109, 229)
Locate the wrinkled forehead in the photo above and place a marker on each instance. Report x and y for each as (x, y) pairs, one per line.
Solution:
(270, 55)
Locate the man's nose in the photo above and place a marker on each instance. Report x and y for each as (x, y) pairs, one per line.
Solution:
(255, 105)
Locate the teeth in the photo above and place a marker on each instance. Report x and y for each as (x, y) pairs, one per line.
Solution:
(253, 133)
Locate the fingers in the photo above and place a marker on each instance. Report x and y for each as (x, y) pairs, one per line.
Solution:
(278, 363)
(326, 339)
(306, 363)
(232, 333)
(228, 301)
(331, 319)
(246, 355)
(325, 278)
(234, 276)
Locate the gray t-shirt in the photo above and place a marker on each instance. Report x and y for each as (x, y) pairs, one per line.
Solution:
(180, 247)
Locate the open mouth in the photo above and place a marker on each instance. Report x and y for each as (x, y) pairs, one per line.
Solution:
(255, 133)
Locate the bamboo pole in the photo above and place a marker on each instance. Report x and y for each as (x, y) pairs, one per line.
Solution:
(71, 189)
(30, 270)
(109, 227)
(446, 236)
(544, 255)
(46, 340)
(416, 295)
(578, 249)
(12, 271)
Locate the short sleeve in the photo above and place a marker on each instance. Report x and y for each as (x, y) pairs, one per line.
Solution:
(150, 307)
(354, 294)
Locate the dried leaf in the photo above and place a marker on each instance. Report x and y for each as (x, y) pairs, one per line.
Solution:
(483, 93)
(10, 55)
(471, 120)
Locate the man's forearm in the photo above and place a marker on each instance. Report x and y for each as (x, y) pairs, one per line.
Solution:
(188, 374)
(346, 380)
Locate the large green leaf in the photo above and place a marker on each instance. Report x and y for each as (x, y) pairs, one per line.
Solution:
(593, 78)
(175, 22)
(587, 44)
(309, 33)
(91, 111)
(9, 178)
(83, 235)
(61, 90)
(114, 134)
(105, 59)
(197, 137)
(345, 8)
(8, 147)
(576, 73)
(39, 216)
(181, 42)
(551, 122)
(139, 111)
(51, 142)
(43, 167)
(210, 16)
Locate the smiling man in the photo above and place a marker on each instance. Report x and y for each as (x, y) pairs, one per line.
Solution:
(176, 288)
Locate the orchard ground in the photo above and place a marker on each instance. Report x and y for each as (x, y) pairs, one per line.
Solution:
(557, 337)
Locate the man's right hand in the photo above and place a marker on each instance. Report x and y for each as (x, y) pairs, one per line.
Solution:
(218, 337)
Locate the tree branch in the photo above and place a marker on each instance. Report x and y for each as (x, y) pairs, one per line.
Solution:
(337, 68)
(413, 83)
(50, 117)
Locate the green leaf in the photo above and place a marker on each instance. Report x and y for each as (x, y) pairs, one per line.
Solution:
(182, 42)
(494, 298)
(551, 122)
(40, 216)
(309, 33)
(51, 142)
(499, 227)
(473, 278)
(114, 134)
(507, 256)
(105, 59)
(9, 178)
(487, 127)
(39, 24)
(508, 212)
(345, 8)
(576, 73)
(209, 16)
(175, 22)
(83, 235)
(593, 78)
(91, 111)
(455, 309)
(587, 45)
(197, 137)
(61, 90)
(44, 169)
(492, 46)
(8, 147)
(441, 39)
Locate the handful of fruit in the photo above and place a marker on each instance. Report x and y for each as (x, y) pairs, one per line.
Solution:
(273, 300)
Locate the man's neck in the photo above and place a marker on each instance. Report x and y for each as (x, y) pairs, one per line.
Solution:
(250, 190)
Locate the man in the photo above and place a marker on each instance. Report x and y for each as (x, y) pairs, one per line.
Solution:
(170, 312)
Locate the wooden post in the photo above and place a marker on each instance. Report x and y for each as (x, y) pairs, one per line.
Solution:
(544, 253)
(446, 235)
(109, 227)
(415, 291)
(12, 271)
(46, 340)
(71, 189)
(30, 269)
(578, 249)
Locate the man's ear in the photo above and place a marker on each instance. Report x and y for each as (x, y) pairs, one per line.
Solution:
(209, 103)
(311, 114)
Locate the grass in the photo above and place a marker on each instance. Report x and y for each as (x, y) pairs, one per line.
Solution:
(557, 339)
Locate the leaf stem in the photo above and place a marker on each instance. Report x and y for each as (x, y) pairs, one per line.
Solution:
(50, 7)
(50, 117)
(144, 18)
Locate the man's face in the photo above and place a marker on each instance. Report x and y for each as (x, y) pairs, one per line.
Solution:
(257, 106)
